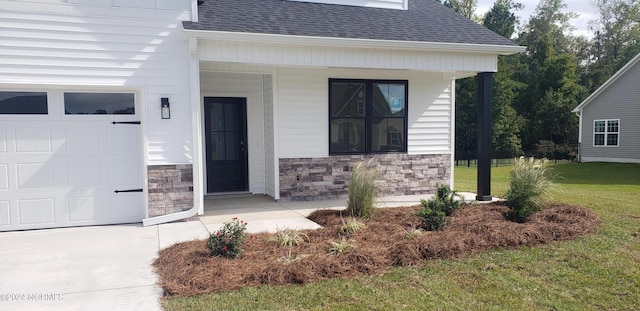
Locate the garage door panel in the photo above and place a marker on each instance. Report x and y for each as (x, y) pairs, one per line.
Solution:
(5, 216)
(62, 171)
(123, 138)
(3, 140)
(35, 175)
(83, 174)
(4, 176)
(83, 140)
(82, 208)
(123, 174)
(36, 211)
(125, 206)
(33, 140)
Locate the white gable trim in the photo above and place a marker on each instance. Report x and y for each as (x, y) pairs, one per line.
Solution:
(385, 4)
(605, 85)
(355, 43)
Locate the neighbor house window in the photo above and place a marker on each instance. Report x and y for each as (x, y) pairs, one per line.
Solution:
(23, 102)
(99, 103)
(606, 132)
(367, 116)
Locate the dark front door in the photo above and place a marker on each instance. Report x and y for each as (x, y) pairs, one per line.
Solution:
(226, 142)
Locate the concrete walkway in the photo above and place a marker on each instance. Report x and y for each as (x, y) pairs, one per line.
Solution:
(109, 267)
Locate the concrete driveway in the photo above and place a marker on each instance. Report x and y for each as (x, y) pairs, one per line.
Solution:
(86, 268)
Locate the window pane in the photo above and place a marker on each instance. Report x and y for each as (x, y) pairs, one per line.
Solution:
(612, 126)
(598, 140)
(598, 127)
(217, 117)
(387, 134)
(99, 103)
(388, 100)
(217, 146)
(230, 117)
(348, 99)
(612, 139)
(23, 103)
(347, 135)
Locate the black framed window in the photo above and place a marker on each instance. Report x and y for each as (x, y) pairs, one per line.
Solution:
(23, 102)
(367, 116)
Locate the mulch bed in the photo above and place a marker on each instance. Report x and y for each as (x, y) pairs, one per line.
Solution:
(187, 269)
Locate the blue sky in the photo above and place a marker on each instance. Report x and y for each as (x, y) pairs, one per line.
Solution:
(584, 8)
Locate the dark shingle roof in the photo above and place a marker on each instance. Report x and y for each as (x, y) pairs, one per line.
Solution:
(424, 21)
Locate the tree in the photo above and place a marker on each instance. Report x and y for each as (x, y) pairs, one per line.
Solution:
(616, 39)
(548, 18)
(466, 8)
(500, 18)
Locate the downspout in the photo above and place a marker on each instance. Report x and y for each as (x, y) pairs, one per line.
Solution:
(579, 113)
(198, 190)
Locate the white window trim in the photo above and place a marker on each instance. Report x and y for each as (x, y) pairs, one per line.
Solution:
(605, 133)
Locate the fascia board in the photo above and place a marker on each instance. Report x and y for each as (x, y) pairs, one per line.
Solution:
(355, 43)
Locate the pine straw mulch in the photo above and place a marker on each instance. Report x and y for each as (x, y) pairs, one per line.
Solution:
(187, 269)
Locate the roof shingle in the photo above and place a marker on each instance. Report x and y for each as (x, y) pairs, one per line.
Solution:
(424, 21)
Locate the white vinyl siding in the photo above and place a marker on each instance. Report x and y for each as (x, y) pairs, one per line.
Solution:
(102, 45)
(303, 110)
(249, 86)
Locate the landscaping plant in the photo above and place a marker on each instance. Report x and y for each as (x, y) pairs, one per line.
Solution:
(288, 237)
(442, 204)
(350, 226)
(339, 247)
(362, 191)
(227, 242)
(529, 188)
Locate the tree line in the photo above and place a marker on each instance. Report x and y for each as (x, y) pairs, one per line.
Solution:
(535, 91)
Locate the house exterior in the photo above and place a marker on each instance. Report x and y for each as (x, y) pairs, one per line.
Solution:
(610, 119)
(116, 111)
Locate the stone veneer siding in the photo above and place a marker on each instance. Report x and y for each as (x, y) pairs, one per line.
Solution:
(306, 179)
(170, 188)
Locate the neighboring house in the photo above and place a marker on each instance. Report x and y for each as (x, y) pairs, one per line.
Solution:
(115, 111)
(610, 119)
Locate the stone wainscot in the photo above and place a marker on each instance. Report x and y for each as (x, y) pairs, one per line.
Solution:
(306, 179)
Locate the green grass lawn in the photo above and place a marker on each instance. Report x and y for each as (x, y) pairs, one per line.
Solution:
(597, 272)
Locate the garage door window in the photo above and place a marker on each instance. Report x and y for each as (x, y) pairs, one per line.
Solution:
(99, 103)
(23, 102)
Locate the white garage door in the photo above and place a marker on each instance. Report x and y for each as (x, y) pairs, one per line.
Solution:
(70, 167)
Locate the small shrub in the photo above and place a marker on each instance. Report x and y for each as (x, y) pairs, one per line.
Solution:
(432, 220)
(227, 242)
(412, 231)
(362, 191)
(340, 247)
(445, 200)
(528, 188)
(350, 226)
(442, 204)
(288, 237)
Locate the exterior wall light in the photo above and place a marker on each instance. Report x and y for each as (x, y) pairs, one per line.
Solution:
(165, 110)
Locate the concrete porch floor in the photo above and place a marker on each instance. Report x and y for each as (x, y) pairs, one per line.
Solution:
(265, 214)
